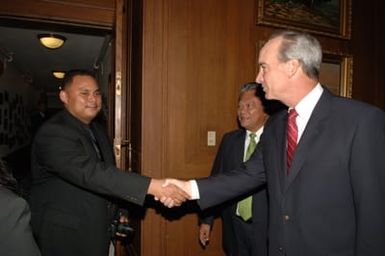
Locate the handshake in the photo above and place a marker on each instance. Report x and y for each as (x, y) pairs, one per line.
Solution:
(170, 192)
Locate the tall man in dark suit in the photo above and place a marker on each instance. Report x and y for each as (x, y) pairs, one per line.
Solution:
(74, 176)
(329, 200)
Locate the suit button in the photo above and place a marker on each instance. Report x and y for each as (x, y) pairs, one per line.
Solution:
(280, 249)
(286, 218)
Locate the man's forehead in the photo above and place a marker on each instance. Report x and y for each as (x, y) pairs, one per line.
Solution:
(248, 97)
(272, 44)
(84, 82)
(88, 88)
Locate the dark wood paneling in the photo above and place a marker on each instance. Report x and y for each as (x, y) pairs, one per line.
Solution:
(99, 13)
(197, 53)
(368, 47)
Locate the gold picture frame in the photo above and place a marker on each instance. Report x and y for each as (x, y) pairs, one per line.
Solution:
(331, 18)
(337, 73)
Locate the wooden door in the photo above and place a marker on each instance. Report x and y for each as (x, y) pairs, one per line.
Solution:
(127, 99)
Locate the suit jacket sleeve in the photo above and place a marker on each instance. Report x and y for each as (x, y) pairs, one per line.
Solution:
(219, 188)
(208, 216)
(15, 232)
(368, 182)
(67, 153)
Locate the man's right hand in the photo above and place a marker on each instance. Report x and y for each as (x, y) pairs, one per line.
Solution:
(204, 233)
(168, 193)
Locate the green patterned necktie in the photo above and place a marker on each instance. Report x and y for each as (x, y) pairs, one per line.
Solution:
(245, 205)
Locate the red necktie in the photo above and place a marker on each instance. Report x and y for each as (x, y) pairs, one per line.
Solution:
(292, 136)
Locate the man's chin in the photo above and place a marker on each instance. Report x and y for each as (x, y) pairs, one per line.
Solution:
(244, 124)
(92, 114)
(268, 96)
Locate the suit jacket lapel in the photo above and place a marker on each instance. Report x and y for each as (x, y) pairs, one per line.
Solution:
(310, 135)
(239, 146)
(104, 144)
(238, 149)
(102, 139)
(280, 145)
(274, 150)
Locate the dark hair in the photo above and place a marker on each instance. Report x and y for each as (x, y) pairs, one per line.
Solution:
(69, 76)
(269, 106)
(6, 178)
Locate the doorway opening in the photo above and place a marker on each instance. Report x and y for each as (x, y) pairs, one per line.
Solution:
(28, 89)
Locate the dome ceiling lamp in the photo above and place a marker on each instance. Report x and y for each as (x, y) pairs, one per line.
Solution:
(51, 41)
(58, 74)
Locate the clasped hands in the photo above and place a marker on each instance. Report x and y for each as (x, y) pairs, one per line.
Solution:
(170, 192)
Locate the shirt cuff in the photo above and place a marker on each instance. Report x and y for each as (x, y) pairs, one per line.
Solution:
(194, 190)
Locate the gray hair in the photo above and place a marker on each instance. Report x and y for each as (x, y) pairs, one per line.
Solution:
(303, 47)
(249, 87)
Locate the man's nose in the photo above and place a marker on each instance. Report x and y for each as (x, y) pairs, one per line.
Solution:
(259, 78)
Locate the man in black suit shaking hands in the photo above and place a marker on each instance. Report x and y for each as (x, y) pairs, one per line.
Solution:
(74, 176)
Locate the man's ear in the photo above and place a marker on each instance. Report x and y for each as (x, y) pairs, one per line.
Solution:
(293, 66)
(63, 96)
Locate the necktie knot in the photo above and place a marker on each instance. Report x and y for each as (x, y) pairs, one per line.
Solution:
(292, 114)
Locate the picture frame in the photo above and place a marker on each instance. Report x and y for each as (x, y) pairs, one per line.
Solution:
(337, 73)
(330, 18)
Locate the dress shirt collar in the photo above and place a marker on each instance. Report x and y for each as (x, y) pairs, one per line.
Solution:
(258, 134)
(305, 107)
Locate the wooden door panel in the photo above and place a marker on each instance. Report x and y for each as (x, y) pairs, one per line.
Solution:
(99, 13)
(196, 55)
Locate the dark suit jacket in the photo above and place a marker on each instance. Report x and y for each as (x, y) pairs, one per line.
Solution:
(332, 203)
(15, 232)
(71, 188)
(230, 156)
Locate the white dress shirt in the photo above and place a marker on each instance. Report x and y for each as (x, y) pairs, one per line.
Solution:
(304, 109)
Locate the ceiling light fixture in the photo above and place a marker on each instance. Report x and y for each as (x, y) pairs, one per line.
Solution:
(58, 74)
(51, 41)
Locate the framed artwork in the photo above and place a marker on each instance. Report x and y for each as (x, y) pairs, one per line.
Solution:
(326, 17)
(337, 73)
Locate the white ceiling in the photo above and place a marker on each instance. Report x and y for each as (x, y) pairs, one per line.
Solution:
(80, 51)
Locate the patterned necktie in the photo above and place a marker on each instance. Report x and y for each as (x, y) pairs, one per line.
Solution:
(245, 205)
(292, 136)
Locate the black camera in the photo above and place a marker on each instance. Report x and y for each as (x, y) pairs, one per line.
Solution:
(122, 231)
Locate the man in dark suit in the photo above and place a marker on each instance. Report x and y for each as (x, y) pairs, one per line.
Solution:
(329, 200)
(241, 237)
(74, 176)
(16, 237)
